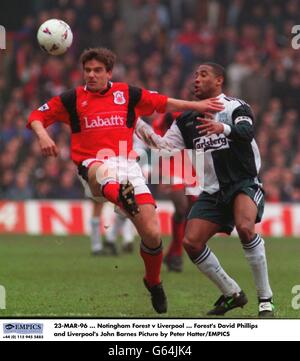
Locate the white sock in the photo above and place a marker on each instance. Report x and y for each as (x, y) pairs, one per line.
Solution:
(128, 231)
(256, 256)
(96, 240)
(208, 264)
(114, 230)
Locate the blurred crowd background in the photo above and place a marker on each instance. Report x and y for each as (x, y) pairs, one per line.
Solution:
(158, 44)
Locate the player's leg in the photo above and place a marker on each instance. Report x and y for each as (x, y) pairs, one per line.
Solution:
(173, 257)
(198, 232)
(123, 226)
(95, 235)
(147, 225)
(204, 221)
(114, 231)
(245, 214)
(103, 180)
(128, 233)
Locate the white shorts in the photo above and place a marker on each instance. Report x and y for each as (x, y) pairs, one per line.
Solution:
(126, 169)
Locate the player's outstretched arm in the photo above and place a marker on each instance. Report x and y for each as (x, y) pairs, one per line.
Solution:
(172, 141)
(48, 147)
(145, 132)
(212, 105)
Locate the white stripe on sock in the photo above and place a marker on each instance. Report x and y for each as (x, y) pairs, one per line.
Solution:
(202, 256)
(256, 257)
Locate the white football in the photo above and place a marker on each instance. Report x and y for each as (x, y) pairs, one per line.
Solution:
(55, 36)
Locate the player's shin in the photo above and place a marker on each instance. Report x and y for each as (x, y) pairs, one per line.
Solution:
(96, 240)
(114, 230)
(208, 264)
(256, 256)
(128, 235)
(153, 260)
(177, 237)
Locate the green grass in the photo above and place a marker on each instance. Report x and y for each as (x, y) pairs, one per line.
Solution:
(57, 276)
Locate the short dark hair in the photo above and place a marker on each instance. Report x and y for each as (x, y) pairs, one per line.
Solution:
(104, 55)
(217, 69)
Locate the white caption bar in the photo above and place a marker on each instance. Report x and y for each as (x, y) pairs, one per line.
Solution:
(149, 329)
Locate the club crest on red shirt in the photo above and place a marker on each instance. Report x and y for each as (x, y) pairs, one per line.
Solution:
(119, 97)
(44, 107)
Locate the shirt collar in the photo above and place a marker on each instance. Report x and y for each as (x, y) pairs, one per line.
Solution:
(109, 85)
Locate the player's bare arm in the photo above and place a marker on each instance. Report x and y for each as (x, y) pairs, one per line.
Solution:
(208, 105)
(47, 145)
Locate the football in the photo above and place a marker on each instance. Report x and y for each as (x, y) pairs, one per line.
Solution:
(55, 36)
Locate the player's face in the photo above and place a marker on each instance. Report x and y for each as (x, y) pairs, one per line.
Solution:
(95, 75)
(206, 84)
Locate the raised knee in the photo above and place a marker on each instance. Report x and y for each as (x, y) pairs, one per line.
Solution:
(186, 242)
(245, 231)
(193, 246)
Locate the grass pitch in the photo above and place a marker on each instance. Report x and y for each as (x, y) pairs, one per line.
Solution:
(58, 277)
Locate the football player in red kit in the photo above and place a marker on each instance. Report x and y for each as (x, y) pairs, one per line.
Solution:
(102, 116)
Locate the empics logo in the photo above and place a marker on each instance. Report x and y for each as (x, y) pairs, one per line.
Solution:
(23, 328)
(2, 37)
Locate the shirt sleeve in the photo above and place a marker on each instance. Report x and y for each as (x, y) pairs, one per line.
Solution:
(242, 127)
(173, 137)
(49, 113)
(151, 102)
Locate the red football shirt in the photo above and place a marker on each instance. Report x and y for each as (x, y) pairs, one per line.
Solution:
(163, 122)
(100, 120)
